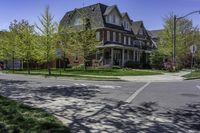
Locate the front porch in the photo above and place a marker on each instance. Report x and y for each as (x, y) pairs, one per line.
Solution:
(119, 55)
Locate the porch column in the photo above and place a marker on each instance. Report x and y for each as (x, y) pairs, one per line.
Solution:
(111, 56)
(147, 57)
(134, 55)
(139, 56)
(123, 57)
(103, 56)
(127, 55)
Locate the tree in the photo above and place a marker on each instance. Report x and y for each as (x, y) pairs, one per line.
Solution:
(12, 40)
(86, 44)
(48, 31)
(185, 31)
(3, 46)
(27, 45)
(65, 36)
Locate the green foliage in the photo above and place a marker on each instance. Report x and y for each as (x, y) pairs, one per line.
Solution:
(186, 35)
(131, 64)
(85, 43)
(157, 59)
(116, 67)
(48, 37)
(96, 72)
(24, 33)
(4, 50)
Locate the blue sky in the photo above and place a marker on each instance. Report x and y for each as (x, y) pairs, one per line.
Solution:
(150, 11)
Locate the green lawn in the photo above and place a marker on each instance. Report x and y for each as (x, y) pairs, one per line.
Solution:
(95, 72)
(193, 75)
(19, 118)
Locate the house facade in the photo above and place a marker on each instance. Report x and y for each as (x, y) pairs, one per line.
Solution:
(122, 39)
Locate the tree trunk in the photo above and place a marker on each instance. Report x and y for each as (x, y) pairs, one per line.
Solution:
(49, 68)
(48, 63)
(28, 67)
(13, 62)
(85, 65)
(64, 62)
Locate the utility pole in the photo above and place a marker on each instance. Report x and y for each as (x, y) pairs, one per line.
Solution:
(174, 42)
(174, 35)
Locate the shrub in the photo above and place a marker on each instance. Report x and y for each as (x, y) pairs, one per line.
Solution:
(132, 64)
(116, 67)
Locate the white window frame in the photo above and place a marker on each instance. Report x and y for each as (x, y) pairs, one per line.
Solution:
(127, 25)
(129, 40)
(114, 36)
(78, 21)
(108, 18)
(108, 35)
(98, 35)
(125, 40)
(120, 38)
(113, 19)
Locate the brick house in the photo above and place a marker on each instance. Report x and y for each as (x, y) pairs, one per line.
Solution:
(122, 39)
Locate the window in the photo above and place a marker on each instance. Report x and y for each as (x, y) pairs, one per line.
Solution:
(113, 19)
(120, 38)
(126, 25)
(140, 32)
(108, 19)
(108, 35)
(114, 36)
(125, 40)
(78, 21)
(98, 36)
(129, 40)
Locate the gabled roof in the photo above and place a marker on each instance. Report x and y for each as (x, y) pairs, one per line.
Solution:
(93, 12)
(124, 14)
(109, 9)
(155, 33)
(136, 25)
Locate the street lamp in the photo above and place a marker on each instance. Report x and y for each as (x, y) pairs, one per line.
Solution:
(174, 36)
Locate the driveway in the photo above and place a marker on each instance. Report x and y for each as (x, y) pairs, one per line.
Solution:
(101, 106)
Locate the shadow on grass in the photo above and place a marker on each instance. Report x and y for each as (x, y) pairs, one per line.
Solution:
(16, 118)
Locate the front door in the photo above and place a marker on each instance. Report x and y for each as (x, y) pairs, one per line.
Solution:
(117, 57)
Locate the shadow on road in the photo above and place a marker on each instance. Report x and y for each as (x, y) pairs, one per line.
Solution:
(77, 109)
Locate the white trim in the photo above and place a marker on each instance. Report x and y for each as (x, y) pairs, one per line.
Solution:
(108, 35)
(114, 36)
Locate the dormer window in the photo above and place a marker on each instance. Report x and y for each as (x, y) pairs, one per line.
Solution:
(108, 19)
(126, 25)
(140, 32)
(78, 21)
(113, 19)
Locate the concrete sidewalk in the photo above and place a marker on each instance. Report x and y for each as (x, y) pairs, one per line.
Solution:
(167, 77)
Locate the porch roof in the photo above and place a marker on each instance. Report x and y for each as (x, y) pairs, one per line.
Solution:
(122, 47)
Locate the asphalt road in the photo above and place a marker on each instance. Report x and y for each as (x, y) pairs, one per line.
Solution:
(106, 106)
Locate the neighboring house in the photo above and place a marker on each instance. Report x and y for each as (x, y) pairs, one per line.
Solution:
(155, 34)
(122, 38)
